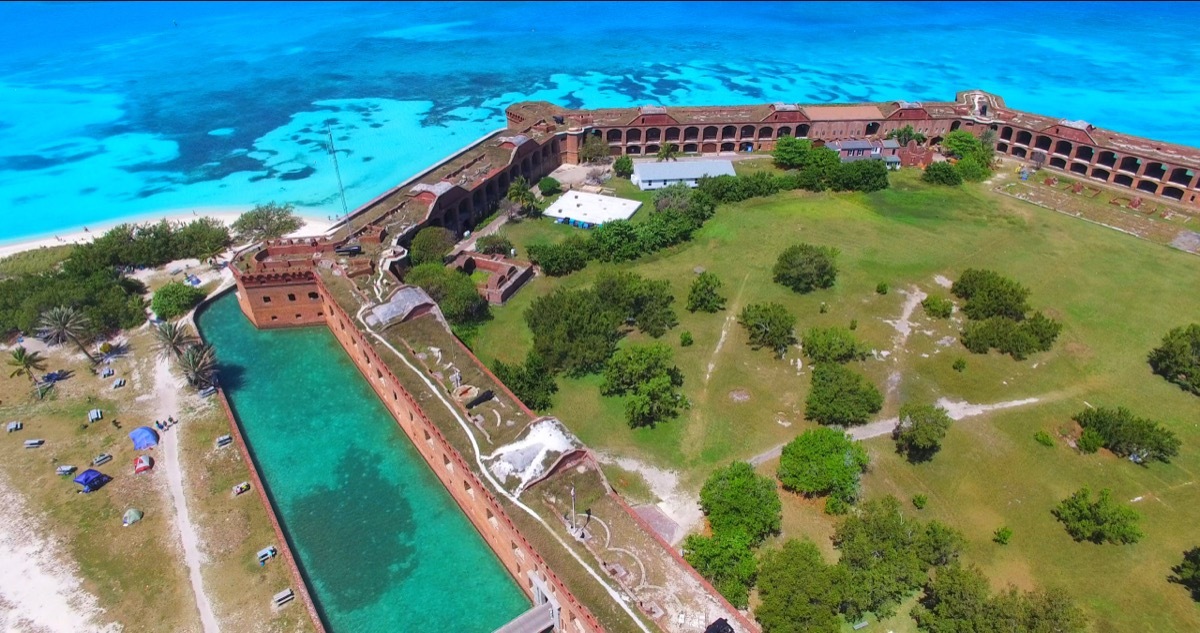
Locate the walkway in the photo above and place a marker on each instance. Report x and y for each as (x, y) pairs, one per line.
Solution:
(535, 620)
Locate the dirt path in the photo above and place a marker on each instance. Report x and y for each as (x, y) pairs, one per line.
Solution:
(956, 409)
(166, 396)
(679, 505)
(730, 318)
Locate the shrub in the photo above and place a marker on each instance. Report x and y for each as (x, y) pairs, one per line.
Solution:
(725, 559)
(973, 168)
(737, 498)
(685, 339)
(989, 294)
(266, 222)
(938, 307)
(769, 325)
(623, 166)
(495, 244)
(1099, 521)
(791, 152)
(431, 244)
(823, 461)
(453, 291)
(836, 507)
(960, 365)
(705, 294)
(881, 288)
(532, 382)
(1044, 439)
(175, 299)
(841, 396)
(561, 259)
(573, 330)
(594, 150)
(960, 144)
(643, 302)
(648, 374)
(549, 186)
(1017, 339)
(804, 267)
(1089, 441)
(920, 430)
(1178, 357)
(942, 173)
(1127, 435)
(1187, 572)
(919, 501)
(798, 591)
(853, 324)
(861, 175)
(616, 241)
(1002, 535)
(832, 345)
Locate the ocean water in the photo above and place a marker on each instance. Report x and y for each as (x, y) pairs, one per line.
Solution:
(116, 110)
(384, 546)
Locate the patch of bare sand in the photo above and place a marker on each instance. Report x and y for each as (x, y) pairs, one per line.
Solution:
(681, 506)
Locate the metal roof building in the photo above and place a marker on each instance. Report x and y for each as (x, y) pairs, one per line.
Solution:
(658, 175)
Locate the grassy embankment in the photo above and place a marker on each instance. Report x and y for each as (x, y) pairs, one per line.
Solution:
(1115, 294)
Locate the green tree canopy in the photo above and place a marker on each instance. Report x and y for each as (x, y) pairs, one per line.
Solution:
(1178, 357)
(634, 365)
(833, 345)
(990, 294)
(667, 151)
(26, 363)
(563, 258)
(1187, 572)
(454, 292)
(956, 600)
(175, 299)
(769, 325)
(942, 173)
(266, 222)
(574, 330)
(799, 592)
(841, 396)
(644, 302)
(725, 559)
(532, 382)
(804, 267)
(960, 143)
(495, 244)
(823, 461)
(920, 430)
(861, 175)
(1127, 435)
(431, 244)
(549, 186)
(1099, 521)
(905, 134)
(594, 150)
(705, 294)
(791, 152)
(736, 498)
(623, 166)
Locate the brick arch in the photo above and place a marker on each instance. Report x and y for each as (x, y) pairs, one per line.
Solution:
(747, 131)
(614, 135)
(766, 132)
(710, 133)
(633, 135)
(691, 134)
(784, 131)
(672, 134)
(653, 135)
(728, 132)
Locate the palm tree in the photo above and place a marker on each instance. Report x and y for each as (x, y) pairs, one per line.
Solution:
(65, 323)
(26, 362)
(667, 151)
(172, 339)
(520, 194)
(199, 364)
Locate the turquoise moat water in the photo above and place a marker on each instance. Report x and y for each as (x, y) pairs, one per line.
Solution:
(383, 545)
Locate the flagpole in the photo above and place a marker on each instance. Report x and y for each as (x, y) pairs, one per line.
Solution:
(572, 509)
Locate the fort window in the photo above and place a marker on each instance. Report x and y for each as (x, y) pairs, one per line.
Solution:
(491, 518)
(1101, 174)
(1023, 137)
(266, 299)
(785, 131)
(467, 487)
(747, 131)
(1019, 152)
(872, 128)
(1108, 159)
(1083, 152)
(1062, 147)
(297, 316)
(1130, 164)
(518, 552)
(955, 125)
(379, 374)
(708, 148)
(1058, 162)
(1156, 170)
(765, 132)
(1043, 142)
(652, 149)
(1124, 180)
(1148, 185)
(1002, 148)
(395, 397)
(710, 133)
(727, 147)
(274, 318)
(1181, 176)
(614, 136)
(672, 134)
(633, 150)
(446, 463)
(320, 314)
(802, 131)
(1174, 193)
(728, 131)
(1079, 168)
(691, 133)
(1006, 133)
(653, 134)
(291, 297)
(689, 148)
(633, 136)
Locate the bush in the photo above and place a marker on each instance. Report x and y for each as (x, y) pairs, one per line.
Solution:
(881, 288)
(804, 267)
(920, 430)
(791, 152)
(799, 593)
(1089, 441)
(1178, 357)
(833, 345)
(431, 244)
(823, 461)
(453, 291)
(973, 168)
(594, 150)
(685, 339)
(1002, 535)
(175, 299)
(1127, 435)
(495, 244)
(960, 365)
(266, 222)
(861, 175)
(726, 560)
(736, 498)
(573, 330)
(648, 374)
(920, 501)
(1187, 572)
(561, 259)
(705, 294)
(989, 294)
(960, 144)
(841, 396)
(623, 166)
(532, 382)
(942, 173)
(549, 186)
(1017, 339)
(769, 325)
(1099, 521)
(938, 307)
(643, 302)
(1044, 439)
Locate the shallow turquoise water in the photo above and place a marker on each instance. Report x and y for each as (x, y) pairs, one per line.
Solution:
(384, 546)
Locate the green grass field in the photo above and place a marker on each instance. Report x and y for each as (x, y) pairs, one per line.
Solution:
(1115, 294)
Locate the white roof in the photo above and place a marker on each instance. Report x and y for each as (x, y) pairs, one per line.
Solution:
(592, 208)
(682, 170)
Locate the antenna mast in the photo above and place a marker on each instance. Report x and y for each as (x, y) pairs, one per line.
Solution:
(337, 171)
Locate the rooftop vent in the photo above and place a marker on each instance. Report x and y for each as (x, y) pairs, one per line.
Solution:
(909, 105)
(652, 109)
(786, 107)
(1079, 125)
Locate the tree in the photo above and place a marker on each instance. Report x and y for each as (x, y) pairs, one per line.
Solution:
(920, 430)
(1178, 357)
(26, 363)
(199, 365)
(990, 294)
(832, 345)
(519, 194)
(635, 365)
(453, 290)
(560, 259)
(822, 166)
(841, 396)
(905, 134)
(956, 600)
(65, 323)
(172, 338)
(655, 401)
(623, 166)
(804, 267)
(531, 382)
(667, 151)
(692, 203)
(726, 560)
(791, 152)
(799, 592)
(266, 222)
(769, 325)
(973, 168)
(705, 294)
(496, 244)
(938, 307)
(549, 186)
(573, 330)
(861, 175)
(431, 244)
(736, 498)
(960, 143)
(1099, 521)
(643, 302)
(175, 299)
(203, 238)
(1127, 435)
(1187, 573)
(616, 241)
(594, 150)
(942, 173)
(823, 461)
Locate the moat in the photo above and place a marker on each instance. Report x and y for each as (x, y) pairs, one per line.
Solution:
(381, 543)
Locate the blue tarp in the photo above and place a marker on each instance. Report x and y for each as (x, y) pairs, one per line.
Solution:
(143, 437)
(92, 480)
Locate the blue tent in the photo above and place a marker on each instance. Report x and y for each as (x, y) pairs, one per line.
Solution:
(143, 437)
(92, 480)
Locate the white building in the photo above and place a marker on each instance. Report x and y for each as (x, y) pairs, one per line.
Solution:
(585, 210)
(658, 175)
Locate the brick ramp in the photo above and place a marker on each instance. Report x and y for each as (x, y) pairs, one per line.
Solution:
(536, 620)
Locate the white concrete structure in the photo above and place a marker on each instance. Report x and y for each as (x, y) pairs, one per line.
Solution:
(656, 175)
(580, 208)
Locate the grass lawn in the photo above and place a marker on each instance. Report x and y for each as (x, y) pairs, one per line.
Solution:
(39, 260)
(1115, 294)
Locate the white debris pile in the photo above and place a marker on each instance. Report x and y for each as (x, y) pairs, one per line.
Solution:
(528, 458)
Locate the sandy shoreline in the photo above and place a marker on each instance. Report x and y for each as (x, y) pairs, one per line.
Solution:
(313, 225)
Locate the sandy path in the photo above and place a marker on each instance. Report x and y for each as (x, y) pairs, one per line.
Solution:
(679, 505)
(956, 409)
(40, 588)
(166, 395)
